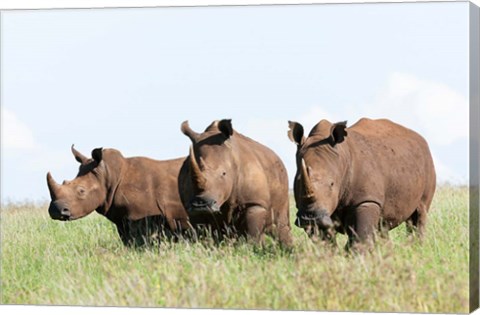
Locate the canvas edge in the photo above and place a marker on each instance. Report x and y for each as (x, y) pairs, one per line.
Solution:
(474, 39)
(474, 114)
(98, 4)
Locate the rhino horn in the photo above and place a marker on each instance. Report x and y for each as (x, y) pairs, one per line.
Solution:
(196, 171)
(52, 185)
(309, 193)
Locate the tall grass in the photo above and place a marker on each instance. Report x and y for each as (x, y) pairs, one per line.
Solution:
(84, 263)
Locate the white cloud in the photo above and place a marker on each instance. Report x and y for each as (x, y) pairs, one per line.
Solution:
(436, 111)
(23, 157)
(446, 174)
(431, 108)
(15, 133)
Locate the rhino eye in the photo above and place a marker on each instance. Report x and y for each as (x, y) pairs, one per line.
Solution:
(224, 173)
(81, 191)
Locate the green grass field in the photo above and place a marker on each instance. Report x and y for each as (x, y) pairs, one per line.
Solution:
(84, 263)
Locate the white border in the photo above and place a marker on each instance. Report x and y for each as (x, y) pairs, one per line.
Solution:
(70, 4)
(87, 4)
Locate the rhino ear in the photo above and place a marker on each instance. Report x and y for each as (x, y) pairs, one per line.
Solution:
(79, 156)
(295, 133)
(185, 128)
(97, 154)
(225, 126)
(338, 132)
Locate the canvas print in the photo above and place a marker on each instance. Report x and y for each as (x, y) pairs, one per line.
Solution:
(280, 157)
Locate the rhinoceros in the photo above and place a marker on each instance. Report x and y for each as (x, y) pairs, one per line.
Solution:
(361, 180)
(241, 183)
(139, 195)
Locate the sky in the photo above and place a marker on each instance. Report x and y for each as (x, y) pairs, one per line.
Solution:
(127, 79)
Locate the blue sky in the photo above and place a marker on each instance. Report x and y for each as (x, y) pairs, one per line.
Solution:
(127, 78)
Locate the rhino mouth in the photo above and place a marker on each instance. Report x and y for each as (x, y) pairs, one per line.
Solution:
(304, 222)
(308, 220)
(61, 217)
(200, 205)
(59, 211)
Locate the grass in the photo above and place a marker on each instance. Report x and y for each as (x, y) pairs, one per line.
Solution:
(84, 263)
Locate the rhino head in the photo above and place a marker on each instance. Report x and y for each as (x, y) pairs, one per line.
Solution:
(85, 193)
(320, 172)
(212, 167)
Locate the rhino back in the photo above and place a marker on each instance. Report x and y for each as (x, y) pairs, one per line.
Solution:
(149, 187)
(262, 177)
(391, 165)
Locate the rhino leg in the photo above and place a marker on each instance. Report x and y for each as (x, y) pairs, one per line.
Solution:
(282, 232)
(281, 229)
(411, 222)
(318, 235)
(383, 230)
(416, 222)
(366, 220)
(255, 219)
(133, 233)
(124, 232)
